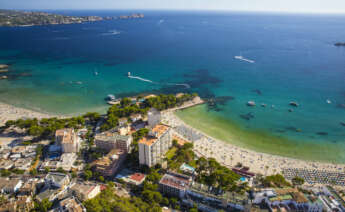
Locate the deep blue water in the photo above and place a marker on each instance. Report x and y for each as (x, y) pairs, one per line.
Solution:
(295, 60)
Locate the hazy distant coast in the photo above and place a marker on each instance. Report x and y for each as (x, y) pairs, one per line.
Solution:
(28, 18)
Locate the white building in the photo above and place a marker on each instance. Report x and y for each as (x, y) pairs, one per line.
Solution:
(153, 147)
(85, 191)
(112, 140)
(153, 117)
(10, 186)
(68, 140)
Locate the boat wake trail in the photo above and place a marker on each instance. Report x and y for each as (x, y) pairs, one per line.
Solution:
(179, 84)
(141, 79)
(150, 81)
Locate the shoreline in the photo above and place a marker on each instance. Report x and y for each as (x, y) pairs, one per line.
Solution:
(224, 152)
(11, 112)
(230, 154)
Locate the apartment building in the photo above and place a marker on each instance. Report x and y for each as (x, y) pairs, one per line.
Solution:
(68, 140)
(153, 147)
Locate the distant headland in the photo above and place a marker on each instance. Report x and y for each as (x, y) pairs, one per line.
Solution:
(27, 18)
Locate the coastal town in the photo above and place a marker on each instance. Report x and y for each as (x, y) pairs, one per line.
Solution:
(140, 156)
(28, 18)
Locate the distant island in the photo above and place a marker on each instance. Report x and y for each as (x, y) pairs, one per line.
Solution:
(339, 44)
(27, 18)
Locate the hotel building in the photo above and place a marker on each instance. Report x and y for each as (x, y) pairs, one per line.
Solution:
(68, 140)
(153, 147)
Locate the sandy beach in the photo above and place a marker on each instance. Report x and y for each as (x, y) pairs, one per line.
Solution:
(10, 112)
(229, 155)
(204, 145)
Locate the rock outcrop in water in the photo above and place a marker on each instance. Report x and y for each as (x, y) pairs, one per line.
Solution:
(257, 91)
(340, 44)
(295, 104)
(322, 133)
(247, 116)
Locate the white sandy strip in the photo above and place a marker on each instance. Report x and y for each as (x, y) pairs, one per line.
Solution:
(9, 112)
(229, 155)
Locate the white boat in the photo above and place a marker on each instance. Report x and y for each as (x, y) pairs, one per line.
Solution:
(129, 74)
(111, 97)
(328, 101)
(244, 59)
(251, 103)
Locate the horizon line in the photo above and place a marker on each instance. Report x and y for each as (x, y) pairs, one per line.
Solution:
(187, 10)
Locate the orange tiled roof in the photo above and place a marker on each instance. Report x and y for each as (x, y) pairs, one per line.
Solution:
(159, 130)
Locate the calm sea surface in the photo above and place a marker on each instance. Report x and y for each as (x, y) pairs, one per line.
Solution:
(71, 68)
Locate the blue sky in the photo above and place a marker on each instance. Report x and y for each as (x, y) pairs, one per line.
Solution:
(295, 6)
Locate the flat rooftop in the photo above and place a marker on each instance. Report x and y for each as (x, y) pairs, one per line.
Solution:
(158, 130)
(175, 181)
(111, 136)
(66, 135)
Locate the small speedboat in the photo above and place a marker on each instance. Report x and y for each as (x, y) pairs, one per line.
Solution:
(251, 103)
(110, 97)
(329, 101)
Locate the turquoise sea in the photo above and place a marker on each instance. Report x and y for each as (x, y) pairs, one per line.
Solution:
(72, 68)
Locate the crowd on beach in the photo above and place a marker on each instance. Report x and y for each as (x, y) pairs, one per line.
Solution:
(9, 112)
(230, 155)
(204, 145)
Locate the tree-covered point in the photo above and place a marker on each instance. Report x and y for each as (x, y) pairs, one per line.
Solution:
(127, 107)
(163, 102)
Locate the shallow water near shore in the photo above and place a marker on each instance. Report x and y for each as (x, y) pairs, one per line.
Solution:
(226, 130)
(70, 69)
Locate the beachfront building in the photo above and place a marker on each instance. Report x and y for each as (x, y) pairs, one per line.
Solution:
(286, 199)
(68, 140)
(153, 147)
(153, 117)
(113, 140)
(174, 184)
(107, 166)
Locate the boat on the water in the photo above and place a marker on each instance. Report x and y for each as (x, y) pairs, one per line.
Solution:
(129, 74)
(110, 97)
(244, 59)
(328, 101)
(251, 103)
